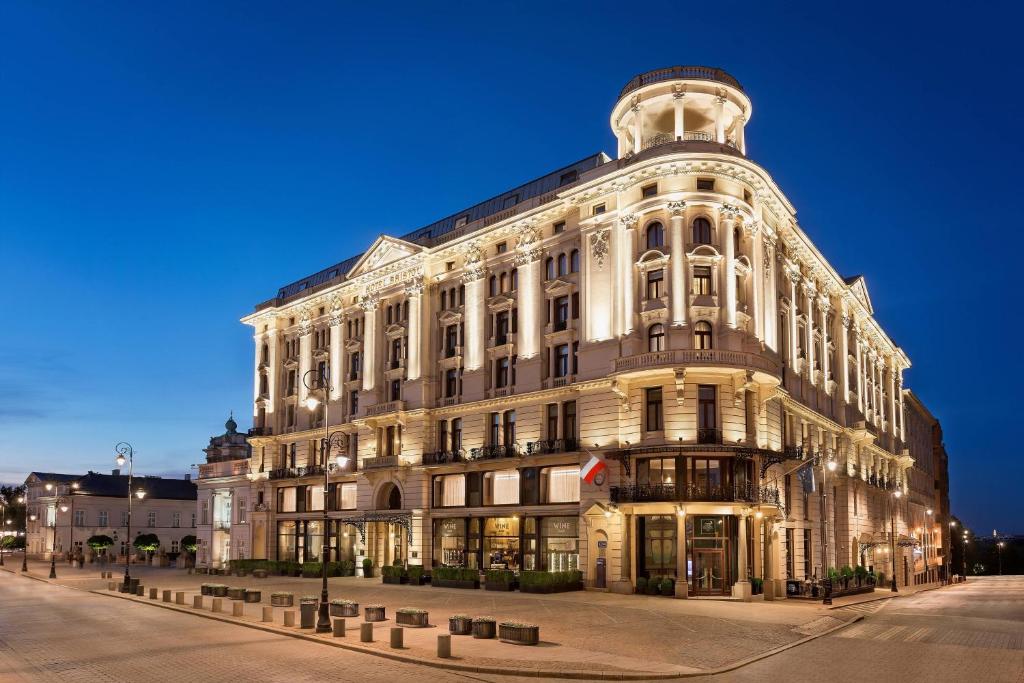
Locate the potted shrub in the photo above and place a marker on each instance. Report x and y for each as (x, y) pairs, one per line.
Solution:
(518, 633)
(307, 611)
(344, 608)
(394, 574)
(499, 580)
(483, 627)
(668, 586)
(653, 584)
(148, 543)
(374, 613)
(206, 589)
(367, 568)
(282, 599)
(236, 593)
(641, 585)
(219, 590)
(455, 577)
(460, 625)
(348, 568)
(416, 575)
(253, 596)
(410, 616)
(99, 543)
(312, 570)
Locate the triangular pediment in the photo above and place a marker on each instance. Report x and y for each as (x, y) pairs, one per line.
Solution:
(859, 288)
(555, 286)
(384, 251)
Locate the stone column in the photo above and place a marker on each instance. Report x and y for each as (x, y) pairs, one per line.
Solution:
(529, 295)
(625, 260)
(336, 360)
(259, 339)
(727, 218)
(844, 357)
(719, 120)
(473, 280)
(809, 333)
(638, 129)
(757, 278)
(770, 291)
(892, 396)
(741, 138)
(272, 374)
(860, 367)
(903, 416)
(794, 277)
(623, 144)
(742, 587)
(369, 306)
(305, 361)
(414, 294)
(678, 102)
(823, 308)
(682, 586)
(677, 261)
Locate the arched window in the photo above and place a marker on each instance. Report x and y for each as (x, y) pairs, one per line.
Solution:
(563, 265)
(737, 240)
(656, 337)
(655, 235)
(405, 310)
(492, 286)
(503, 282)
(444, 305)
(515, 279)
(702, 335)
(265, 354)
(574, 261)
(549, 268)
(462, 295)
(702, 231)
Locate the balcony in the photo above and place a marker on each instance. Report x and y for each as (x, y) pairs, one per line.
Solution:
(379, 462)
(701, 73)
(296, 472)
(709, 435)
(552, 446)
(382, 408)
(443, 457)
(715, 357)
(493, 452)
(694, 493)
(261, 431)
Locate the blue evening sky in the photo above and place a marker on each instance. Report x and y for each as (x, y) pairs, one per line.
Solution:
(166, 166)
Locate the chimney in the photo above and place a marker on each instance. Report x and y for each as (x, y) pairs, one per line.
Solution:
(116, 473)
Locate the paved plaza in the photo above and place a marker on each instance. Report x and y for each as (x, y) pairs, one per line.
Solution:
(583, 634)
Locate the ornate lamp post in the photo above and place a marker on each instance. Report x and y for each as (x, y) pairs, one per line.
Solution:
(999, 551)
(896, 494)
(828, 464)
(3, 514)
(314, 380)
(125, 453)
(949, 553)
(24, 550)
(62, 504)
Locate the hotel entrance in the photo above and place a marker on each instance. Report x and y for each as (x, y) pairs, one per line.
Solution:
(710, 554)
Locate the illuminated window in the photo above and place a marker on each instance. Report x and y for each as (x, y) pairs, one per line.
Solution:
(653, 409)
(655, 283)
(702, 335)
(656, 337)
(501, 487)
(702, 280)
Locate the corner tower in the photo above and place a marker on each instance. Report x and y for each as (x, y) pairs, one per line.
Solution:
(683, 105)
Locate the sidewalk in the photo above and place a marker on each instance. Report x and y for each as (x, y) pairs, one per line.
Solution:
(584, 634)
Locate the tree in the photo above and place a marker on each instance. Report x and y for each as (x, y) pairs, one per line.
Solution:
(148, 543)
(12, 542)
(100, 542)
(189, 543)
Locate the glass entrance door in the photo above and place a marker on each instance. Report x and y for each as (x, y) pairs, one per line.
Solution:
(710, 575)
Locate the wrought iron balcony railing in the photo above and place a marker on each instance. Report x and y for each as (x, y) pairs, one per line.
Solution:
(694, 493)
(709, 435)
(444, 457)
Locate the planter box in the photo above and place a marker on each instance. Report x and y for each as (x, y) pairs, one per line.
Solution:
(253, 596)
(395, 579)
(345, 610)
(449, 583)
(219, 591)
(374, 614)
(493, 586)
(205, 589)
(259, 573)
(519, 635)
(556, 589)
(236, 593)
(416, 620)
(460, 627)
(282, 600)
(483, 629)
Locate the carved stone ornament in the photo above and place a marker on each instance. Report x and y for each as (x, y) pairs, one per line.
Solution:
(414, 288)
(677, 208)
(474, 266)
(524, 257)
(629, 220)
(599, 247)
(729, 212)
(368, 303)
(305, 321)
(766, 261)
(846, 321)
(336, 311)
(529, 236)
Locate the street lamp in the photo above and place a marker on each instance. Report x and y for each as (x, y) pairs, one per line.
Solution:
(24, 550)
(827, 465)
(999, 551)
(320, 379)
(3, 539)
(125, 453)
(949, 553)
(62, 504)
(963, 553)
(897, 494)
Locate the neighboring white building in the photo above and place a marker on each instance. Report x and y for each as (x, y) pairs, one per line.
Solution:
(224, 502)
(663, 311)
(69, 508)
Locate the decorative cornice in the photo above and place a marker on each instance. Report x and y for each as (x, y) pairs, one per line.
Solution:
(729, 212)
(677, 209)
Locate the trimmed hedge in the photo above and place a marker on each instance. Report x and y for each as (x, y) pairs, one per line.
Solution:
(550, 582)
(455, 574)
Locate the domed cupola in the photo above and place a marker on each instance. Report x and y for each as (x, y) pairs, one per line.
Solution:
(690, 107)
(231, 425)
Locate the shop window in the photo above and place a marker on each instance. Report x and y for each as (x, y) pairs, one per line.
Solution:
(450, 542)
(659, 544)
(560, 544)
(348, 496)
(501, 543)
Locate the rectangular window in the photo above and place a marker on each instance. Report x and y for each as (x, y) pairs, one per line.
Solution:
(598, 209)
(649, 190)
(286, 499)
(151, 519)
(702, 280)
(503, 246)
(563, 484)
(79, 518)
(124, 516)
(193, 520)
(494, 435)
(175, 519)
(655, 283)
(705, 184)
(790, 555)
(561, 313)
(451, 384)
(807, 553)
(348, 496)
(501, 487)
(457, 434)
(103, 519)
(569, 420)
(652, 416)
(501, 373)
(509, 428)
(707, 412)
(561, 368)
(442, 435)
(559, 227)
(551, 430)
(450, 490)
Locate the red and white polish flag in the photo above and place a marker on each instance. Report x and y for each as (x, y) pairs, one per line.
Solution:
(592, 469)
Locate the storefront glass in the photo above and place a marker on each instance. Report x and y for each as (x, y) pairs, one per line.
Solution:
(286, 541)
(501, 543)
(450, 542)
(659, 534)
(560, 536)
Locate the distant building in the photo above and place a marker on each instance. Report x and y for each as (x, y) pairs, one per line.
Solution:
(224, 503)
(69, 508)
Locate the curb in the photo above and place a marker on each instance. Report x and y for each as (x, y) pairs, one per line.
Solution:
(889, 596)
(526, 673)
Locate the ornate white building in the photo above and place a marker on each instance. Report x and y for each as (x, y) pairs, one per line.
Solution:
(663, 311)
